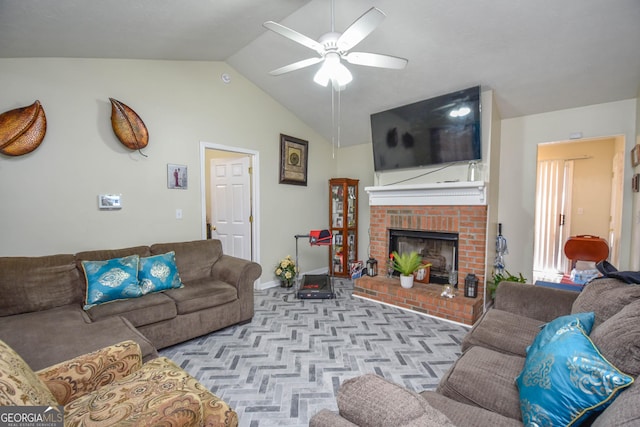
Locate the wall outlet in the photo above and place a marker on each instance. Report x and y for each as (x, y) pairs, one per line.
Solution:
(178, 213)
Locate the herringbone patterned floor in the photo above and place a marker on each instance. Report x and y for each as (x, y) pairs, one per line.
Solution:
(288, 363)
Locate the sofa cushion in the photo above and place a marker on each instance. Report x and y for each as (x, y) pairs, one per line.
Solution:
(158, 273)
(605, 297)
(66, 332)
(463, 415)
(38, 283)
(624, 411)
(104, 254)
(141, 311)
(72, 378)
(19, 385)
(111, 280)
(566, 380)
(201, 294)
(369, 400)
(159, 393)
(504, 332)
(485, 378)
(618, 339)
(194, 259)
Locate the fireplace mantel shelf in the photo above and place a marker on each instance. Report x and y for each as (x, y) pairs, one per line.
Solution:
(442, 193)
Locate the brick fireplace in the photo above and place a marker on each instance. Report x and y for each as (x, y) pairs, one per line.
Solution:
(458, 208)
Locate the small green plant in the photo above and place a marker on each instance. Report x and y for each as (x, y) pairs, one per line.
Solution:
(503, 277)
(407, 263)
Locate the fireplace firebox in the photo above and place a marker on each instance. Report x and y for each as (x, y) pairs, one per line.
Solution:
(438, 248)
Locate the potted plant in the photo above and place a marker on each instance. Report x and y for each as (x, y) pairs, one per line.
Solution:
(406, 264)
(286, 271)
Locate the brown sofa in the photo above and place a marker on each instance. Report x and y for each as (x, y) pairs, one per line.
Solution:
(111, 386)
(480, 388)
(42, 298)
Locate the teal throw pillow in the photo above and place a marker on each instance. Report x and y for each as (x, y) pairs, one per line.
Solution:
(111, 280)
(557, 325)
(566, 380)
(158, 273)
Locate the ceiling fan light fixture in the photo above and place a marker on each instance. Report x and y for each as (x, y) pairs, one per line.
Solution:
(333, 70)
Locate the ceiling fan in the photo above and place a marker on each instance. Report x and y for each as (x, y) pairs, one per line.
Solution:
(333, 47)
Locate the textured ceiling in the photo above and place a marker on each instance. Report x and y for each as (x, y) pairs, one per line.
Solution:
(536, 56)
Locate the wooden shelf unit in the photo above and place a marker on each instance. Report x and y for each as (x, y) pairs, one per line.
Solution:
(343, 220)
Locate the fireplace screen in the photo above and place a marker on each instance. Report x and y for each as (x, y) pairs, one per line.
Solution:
(439, 249)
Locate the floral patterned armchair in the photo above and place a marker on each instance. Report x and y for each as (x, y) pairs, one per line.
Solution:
(111, 386)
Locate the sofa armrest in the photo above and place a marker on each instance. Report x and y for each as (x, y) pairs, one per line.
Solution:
(327, 418)
(76, 377)
(241, 274)
(536, 302)
(372, 401)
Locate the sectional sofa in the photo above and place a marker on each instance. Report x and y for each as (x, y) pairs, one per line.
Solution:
(50, 312)
(540, 356)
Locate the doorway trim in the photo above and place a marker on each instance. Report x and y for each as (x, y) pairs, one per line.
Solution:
(255, 191)
(617, 187)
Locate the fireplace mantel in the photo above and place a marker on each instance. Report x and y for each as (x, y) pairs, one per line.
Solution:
(443, 193)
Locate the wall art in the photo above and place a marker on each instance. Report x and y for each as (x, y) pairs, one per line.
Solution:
(294, 157)
(128, 126)
(22, 129)
(177, 177)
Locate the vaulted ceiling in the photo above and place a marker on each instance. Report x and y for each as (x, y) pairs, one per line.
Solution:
(536, 55)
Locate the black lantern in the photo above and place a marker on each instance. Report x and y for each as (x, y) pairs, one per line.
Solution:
(471, 286)
(372, 267)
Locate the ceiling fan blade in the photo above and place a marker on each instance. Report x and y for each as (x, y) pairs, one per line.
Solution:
(295, 66)
(360, 28)
(376, 60)
(294, 36)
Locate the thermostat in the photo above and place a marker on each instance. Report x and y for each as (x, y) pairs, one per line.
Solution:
(109, 201)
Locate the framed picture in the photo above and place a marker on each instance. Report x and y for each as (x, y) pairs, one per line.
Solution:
(177, 177)
(635, 155)
(294, 156)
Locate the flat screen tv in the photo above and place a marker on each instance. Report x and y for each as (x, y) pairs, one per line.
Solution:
(444, 129)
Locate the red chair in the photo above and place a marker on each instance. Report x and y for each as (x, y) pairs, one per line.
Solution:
(586, 248)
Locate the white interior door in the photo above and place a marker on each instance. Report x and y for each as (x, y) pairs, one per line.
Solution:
(231, 205)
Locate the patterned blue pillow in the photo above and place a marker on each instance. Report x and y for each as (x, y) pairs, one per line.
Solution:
(111, 280)
(557, 325)
(158, 273)
(566, 380)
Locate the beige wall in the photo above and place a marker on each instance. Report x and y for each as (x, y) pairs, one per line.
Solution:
(49, 197)
(357, 162)
(520, 138)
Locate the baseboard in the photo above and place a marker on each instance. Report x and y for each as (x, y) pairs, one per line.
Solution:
(276, 283)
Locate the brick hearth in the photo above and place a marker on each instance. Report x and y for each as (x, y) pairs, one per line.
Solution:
(423, 298)
(469, 221)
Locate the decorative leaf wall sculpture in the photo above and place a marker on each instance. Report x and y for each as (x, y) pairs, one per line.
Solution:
(128, 126)
(22, 129)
